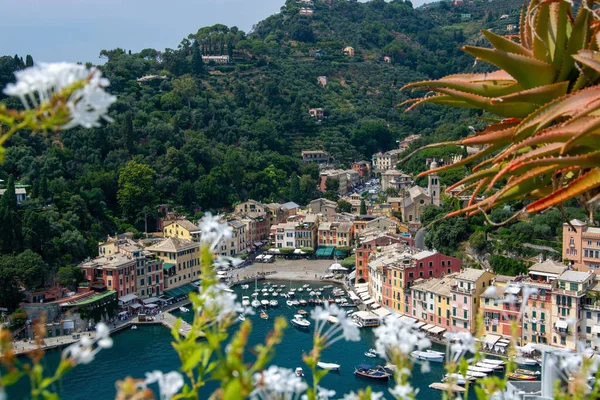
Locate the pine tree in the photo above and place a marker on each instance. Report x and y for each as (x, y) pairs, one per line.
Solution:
(127, 132)
(295, 188)
(10, 220)
(222, 48)
(43, 192)
(197, 64)
(28, 61)
(230, 50)
(363, 207)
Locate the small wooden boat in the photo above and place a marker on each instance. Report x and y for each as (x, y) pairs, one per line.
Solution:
(311, 301)
(303, 312)
(523, 361)
(330, 300)
(302, 302)
(263, 314)
(513, 376)
(245, 286)
(183, 309)
(241, 317)
(458, 379)
(521, 371)
(299, 372)
(290, 303)
(446, 387)
(264, 303)
(134, 327)
(328, 366)
(372, 372)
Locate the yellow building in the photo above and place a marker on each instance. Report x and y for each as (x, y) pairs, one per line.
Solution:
(182, 229)
(349, 51)
(567, 305)
(181, 261)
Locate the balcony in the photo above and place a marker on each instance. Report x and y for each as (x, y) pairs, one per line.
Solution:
(562, 332)
(461, 317)
(572, 293)
(591, 307)
(464, 290)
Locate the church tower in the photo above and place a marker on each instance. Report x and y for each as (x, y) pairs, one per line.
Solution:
(433, 188)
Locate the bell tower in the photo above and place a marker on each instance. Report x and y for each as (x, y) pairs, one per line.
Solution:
(433, 187)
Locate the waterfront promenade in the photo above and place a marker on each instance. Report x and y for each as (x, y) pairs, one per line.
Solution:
(165, 318)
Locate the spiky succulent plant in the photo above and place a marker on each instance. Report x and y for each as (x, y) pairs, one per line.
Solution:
(545, 146)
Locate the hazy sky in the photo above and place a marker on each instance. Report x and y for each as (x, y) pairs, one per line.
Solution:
(76, 30)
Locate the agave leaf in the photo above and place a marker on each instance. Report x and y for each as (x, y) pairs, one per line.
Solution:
(521, 185)
(578, 104)
(580, 35)
(494, 84)
(542, 39)
(583, 184)
(464, 161)
(582, 161)
(475, 176)
(559, 24)
(528, 71)
(436, 99)
(549, 149)
(503, 44)
(480, 185)
(588, 58)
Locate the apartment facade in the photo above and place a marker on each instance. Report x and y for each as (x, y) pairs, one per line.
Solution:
(324, 207)
(385, 161)
(581, 245)
(466, 291)
(181, 261)
(181, 229)
(117, 272)
(335, 234)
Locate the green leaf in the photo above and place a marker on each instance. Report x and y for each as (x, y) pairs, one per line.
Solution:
(528, 71)
(233, 390)
(50, 396)
(193, 359)
(503, 44)
(10, 378)
(577, 41)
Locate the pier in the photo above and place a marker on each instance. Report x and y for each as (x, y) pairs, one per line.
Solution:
(169, 321)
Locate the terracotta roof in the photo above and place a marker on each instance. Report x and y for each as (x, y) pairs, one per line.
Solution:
(173, 245)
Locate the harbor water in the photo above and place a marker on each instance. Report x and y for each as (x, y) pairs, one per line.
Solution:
(149, 348)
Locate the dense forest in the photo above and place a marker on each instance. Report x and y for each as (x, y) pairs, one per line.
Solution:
(203, 136)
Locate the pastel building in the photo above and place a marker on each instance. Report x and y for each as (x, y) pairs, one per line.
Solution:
(581, 245)
(466, 291)
(181, 261)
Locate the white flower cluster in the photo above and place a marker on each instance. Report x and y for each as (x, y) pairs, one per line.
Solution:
(87, 105)
(277, 383)
(354, 396)
(83, 352)
(460, 343)
(221, 304)
(403, 391)
(168, 384)
(344, 329)
(394, 334)
(212, 230)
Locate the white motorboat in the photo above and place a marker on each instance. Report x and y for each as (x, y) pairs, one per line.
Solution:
(427, 356)
(292, 289)
(271, 289)
(349, 312)
(134, 327)
(245, 286)
(255, 294)
(357, 323)
(265, 294)
(299, 372)
(305, 285)
(318, 293)
(300, 321)
(480, 369)
(183, 309)
(328, 366)
(523, 361)
(458, 379)
(333, 319)
(372, 353)
(291, 294)
(295, 303)
(312, 293)
(476, 375)
(492, 361)
(255, 303)
(242, 317)
(290, 303)
(483, 364)
(264, 290)
(245, 301)
(283, 295)
(282, 286)
(275, 294)
(300, 289)
(264, 302)
(273, 303)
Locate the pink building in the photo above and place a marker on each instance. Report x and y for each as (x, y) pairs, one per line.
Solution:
(581, 246)
(466, 289)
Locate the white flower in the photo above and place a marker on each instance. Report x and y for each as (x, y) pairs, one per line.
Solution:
(402, 392)
(324, 394)
(87, 105)
(354, 396)
(459, 343)
(168, 384)
(344, 329)
(425, 367)
(226, 262)
(83, 352)
(219, 303)
(277, 383)
(212, 230)
(394, 334)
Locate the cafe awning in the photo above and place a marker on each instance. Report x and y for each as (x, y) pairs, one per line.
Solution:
(151, 300)
(181, 290)
(407, 320)
(596, 329)
(382, 312)
(418, 324)
(369, 301)
(353, 295)
(436, 330)
(362, 290)
(127, 298)
(375, 305)
(135, 306)
(167, 266)
(491, 340)
(150, 306)
(427, 327)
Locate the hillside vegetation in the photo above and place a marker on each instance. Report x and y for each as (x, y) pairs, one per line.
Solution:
(206, 136)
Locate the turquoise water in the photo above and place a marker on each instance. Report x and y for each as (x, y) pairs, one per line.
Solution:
(148, 348)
